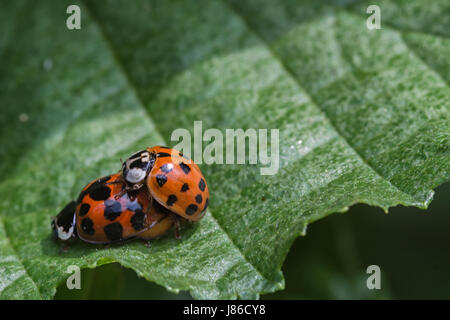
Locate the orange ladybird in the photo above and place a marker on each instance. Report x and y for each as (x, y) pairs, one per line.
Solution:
(104, 213)
(172, 179)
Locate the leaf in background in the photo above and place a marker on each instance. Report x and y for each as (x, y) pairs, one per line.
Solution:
(363, 117)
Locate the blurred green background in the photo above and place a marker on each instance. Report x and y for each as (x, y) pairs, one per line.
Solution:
(411, 246)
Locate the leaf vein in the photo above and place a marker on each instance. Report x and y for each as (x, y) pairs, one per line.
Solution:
(401, 33)
(291, 74)
(118, 61)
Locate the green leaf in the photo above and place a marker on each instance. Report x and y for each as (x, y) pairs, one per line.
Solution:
(363, 118)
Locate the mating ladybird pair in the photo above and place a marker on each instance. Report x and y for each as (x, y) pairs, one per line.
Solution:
(154, 189)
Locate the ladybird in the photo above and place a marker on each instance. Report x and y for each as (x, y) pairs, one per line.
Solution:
(172, 179)
(104, 213)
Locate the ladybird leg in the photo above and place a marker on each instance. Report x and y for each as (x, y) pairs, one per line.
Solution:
(137, 186)
(120, 194)
(177, 227)
(150, 205)
(132, 195)
(147, 243)
(63, 249)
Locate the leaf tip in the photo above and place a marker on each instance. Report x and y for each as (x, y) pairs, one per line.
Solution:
(343, 210)
(303, 229)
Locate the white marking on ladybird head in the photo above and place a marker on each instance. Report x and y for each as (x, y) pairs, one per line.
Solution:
(135, 175)
(63, 235)
(145, 157)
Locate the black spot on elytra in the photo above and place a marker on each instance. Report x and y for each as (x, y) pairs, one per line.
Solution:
(185, 168)
(97, 184)
(84, 209)
(100, 181)
(191, 209)
(100, 194)
(113, 209)
(160, 208)
(202, 185)
(161, 179)
(113, 231)
(163, 155)
(185, 187)
(198, 198)
(87, 226)
(166, 168)
(171, 200)
(206, 204)
(138, 220)
(163, 147)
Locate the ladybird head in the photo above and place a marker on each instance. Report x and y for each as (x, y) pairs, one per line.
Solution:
(136, 168)
(63, 224)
